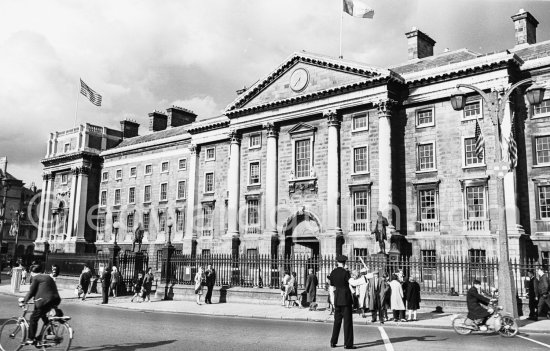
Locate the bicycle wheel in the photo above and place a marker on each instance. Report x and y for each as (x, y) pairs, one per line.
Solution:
(459, 326)
(509, 327)
(12, 335)
(57, 336)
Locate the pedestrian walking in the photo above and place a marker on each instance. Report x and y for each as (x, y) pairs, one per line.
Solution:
(55, 272)
(200, 280)
(210, 282)
(374, 297)
(385, 298)
(339, 278)
(105, 279)
(116, 278)
(137, 285)
(292, 291)
(148, 280)
(412, 295)
(330, 297)
(284, 288)
(396, 300)
(84, 282)
(311, 289)
(531, 285)
(543, 289)
(23, 275)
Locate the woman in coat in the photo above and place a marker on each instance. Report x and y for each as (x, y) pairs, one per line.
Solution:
(284, 288)
(412, 295)
(311, 289)
(396, 300)
(115, 281)
(199, 278)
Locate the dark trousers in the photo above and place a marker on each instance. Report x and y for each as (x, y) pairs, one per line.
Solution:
(208, 297)
(543, 306)
(40, 311)
(105, 294)
(378, 311)
(533, 307)
(344, 312)
(398, 314)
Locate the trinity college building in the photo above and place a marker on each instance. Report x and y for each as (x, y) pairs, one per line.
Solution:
(301, 162)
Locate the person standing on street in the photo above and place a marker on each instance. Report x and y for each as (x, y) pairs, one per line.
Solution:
(84, 282)
(199, 280)
(531, 285)
(374, 297)
(543, 290)
(148, 280)
(137, 284)
(105, 284)
(116, 277)
(343, 304)
(210, 282)
(412, 295)
(396, 300)
(311, 289)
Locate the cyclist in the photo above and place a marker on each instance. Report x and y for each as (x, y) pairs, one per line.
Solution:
(476, 311)
(46, 296)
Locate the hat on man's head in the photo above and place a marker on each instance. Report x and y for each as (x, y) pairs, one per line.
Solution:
(341, 258)
(476, 282)
(36, 268)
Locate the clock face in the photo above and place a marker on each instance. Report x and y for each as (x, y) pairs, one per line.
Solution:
(299, 79)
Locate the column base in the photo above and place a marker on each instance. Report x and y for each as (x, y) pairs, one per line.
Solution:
(231, 244)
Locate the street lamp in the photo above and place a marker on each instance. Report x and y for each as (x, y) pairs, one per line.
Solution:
(116, 248)
(169, 223)
(5, 186)
(496, 108)
(116, 225)
(18, 215)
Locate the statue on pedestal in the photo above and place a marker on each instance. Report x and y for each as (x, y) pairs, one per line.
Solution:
(379, 231)
(138, 237)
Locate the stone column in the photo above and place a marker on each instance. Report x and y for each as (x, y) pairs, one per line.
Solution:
(271, 188)
(71, 227)
(43, 199)
(190, 234)
(233, 184)
(385, 201)
(45, 212)
(78, 239)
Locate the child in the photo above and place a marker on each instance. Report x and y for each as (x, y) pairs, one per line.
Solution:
(137, 285)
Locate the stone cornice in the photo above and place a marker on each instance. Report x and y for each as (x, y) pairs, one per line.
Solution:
(207, 125)
(50, 161)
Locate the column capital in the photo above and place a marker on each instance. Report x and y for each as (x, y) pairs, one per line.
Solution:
(332, 117)
(47, 176)
(194, 149)
(81, 170)
(385, 106)
(234, 136)
(272, 129)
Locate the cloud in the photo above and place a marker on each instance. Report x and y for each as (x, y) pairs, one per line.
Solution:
(204, 107)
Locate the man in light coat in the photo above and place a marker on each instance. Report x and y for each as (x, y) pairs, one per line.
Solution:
(374, 296)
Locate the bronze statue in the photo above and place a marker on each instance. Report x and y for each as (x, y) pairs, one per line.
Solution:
(380, 231)
(138, 237)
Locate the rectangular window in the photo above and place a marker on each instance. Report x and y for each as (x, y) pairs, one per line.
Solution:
(429, 268)
(182, 164)
(426, 159)
(254, 173)
(208, 219)
(544, 202)
(478, 260)
(360, 160)
(67, 147)
(148, 169)
(162, 221)
(103, 198)
(147, 194)
(255, 141)
(253, 212)
(475, 201)
(131, 195)
(360, 206)
(427, 204)
(179, 221)
(545, 258)
(104, 176)
(472, 110)
(101, 225)
(360, 252)
(182, 189)
(130, 222)
(210, 154)
(163, 191)
(209, 182)
(205, 252)
(117, 196)
(360, 121)
(164, 167)
(146, 218)
(425, 118)
(303, 158)
(133, 172)
(470, 155)
(119, 174)
(542, 108)
(64, 178)
(542, 147)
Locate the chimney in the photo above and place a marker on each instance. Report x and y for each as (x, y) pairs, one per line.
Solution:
(420, 44)
(179, 116)
(526, 27)
(157, 121)
(129, 128)
(3, 166)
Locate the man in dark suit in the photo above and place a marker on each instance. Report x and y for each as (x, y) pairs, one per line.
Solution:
(543, 293)
(531, 284)
(46, 296)
(474, 301)
(343, 304)
(105, 284)
(210, 282)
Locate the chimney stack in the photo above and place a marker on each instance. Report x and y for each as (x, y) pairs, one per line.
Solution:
(129, 128)
(179, 116)
(157, 121)
(420, 45)
(3, 166)
(526, 27)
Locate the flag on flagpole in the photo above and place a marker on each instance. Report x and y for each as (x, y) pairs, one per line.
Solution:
(480, 141)
(88, 92)
(357, 8)
(512, 146)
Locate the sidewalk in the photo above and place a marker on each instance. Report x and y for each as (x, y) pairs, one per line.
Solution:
(426, 319)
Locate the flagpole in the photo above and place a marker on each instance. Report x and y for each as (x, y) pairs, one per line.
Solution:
(76, 110)
(341, 25)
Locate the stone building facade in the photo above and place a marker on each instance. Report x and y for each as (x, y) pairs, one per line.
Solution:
(302, 161)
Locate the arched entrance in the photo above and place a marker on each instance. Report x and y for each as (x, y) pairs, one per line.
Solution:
(302, 234)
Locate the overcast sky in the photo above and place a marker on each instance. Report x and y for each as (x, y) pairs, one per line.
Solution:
(142, 55)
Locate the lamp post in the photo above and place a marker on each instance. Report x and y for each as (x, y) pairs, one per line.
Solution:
(167, 253)
(169, 223)
(496, 109)
(116, 248)
(5, 186)
(18, 215)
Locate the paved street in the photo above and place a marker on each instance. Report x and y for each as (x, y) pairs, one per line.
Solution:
(106, 328)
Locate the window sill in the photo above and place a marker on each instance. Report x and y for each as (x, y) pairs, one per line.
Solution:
(471, 118)
(425, 125)
(118, 178)
(181, 199)
(163, 201)
(361, 174)
(254, 147)
(254, 185)
(541, 165)
(360, 130)
(148, 174)
(542, 115)
(146, 202)
(475, 166)
(210, 159)
(208, 193)
(426, 171)
(182, 169)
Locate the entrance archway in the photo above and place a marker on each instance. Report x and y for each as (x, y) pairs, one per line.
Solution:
(302, 234)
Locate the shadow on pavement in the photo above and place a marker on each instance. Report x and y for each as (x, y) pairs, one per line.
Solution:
(125, 347)
(398, 340)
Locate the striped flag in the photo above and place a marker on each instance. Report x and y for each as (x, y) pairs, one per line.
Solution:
(356, 8)
(512, 146)
(88, 92)
(480, 141)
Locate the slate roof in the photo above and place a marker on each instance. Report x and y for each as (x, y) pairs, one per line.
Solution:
(533, 51)
(161, 134)
(443, 59)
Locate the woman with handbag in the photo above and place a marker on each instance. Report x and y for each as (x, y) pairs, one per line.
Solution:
(200, 279)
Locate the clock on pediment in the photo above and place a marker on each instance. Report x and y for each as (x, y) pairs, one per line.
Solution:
(299, 79)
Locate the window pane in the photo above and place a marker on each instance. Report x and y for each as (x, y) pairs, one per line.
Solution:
(544, 201)
(103, 198)
(255, 140)
(117, 197)
(255, 173)
(427, 204)
(424, 117)
(147, 193)
(181, 190)
(146, 221)
(472, 109)
(133, 171)
(360, 206)
(164, 167)
(426, 156)
(130, 222)
(163, 191)
(179, 221)
(253, 207)
(209, 182)
(543, 149)
(475, 202)
(470, 156)
(210, 153)
(183, 164)
(119, 174)
(360, 121)
(360, 161)
(162, 221)
(132, 195)
(148, 169)
(543, 107)
(303, 158)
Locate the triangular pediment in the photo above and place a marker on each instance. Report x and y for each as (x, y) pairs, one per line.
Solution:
(302, 128)
(303, 76)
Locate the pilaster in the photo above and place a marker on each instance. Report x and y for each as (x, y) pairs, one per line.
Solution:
(190, 234)
(71, 229)
(385, 197)
(233, 184)
(333, 173)
(271, 193)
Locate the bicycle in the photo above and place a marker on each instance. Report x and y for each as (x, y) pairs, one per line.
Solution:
(56, 334)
